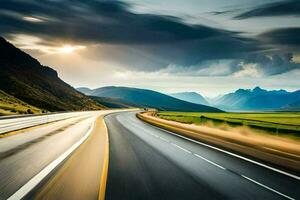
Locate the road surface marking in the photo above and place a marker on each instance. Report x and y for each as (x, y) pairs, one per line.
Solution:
(266, 187)
(232, 154)
(163, 139)
(211, 162)
(187, 151)
(104, 173)
(183, 149)
(235, 155)
(33, 182)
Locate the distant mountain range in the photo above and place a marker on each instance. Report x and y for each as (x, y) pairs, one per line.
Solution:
(192, 97)
(23, 77)
(147, 98)
(259, 99)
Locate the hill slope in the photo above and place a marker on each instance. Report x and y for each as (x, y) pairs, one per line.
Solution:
(293, 106)
(26, 79)
(192, 97)
(111, 102)
(149, 98)
(12, 105)
(258, 99)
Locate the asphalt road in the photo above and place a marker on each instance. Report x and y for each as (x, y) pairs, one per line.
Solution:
(80, 176)
(24, 155)
(149, 163)
(145, 162)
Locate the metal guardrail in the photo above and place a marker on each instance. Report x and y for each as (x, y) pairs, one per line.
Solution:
(13, 124)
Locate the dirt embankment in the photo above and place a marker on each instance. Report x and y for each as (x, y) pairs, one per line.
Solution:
(279, 151)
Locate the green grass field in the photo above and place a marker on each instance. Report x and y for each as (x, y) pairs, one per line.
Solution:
(11, 105)
(275, 123)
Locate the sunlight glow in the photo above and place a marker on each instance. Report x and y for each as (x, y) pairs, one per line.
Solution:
(296, 58)
(32, 19)
(29, 42)
(69, 49)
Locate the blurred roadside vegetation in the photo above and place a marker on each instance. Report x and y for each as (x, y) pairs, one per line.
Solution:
(10, 105)
(277, 123)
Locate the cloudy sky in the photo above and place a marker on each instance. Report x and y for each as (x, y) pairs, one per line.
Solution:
(207, 46)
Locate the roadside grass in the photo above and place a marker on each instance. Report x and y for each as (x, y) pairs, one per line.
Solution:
(10, 105)
(280, 149)
(281, 123)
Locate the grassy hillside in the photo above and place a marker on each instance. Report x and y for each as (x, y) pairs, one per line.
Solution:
(12, 105)
(26, 79)
(111, 103)
(149, 99)
(275, 123)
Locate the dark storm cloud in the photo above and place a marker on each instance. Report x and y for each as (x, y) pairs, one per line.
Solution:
(224, 12)
(99, 21)
(287, 7)
(112, 22)
(287, 37)
(270, 64)
(144, 42)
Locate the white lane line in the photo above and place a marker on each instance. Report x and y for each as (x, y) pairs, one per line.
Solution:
(211, 162)
(187, 151)
(153, 134)
(266, 187)
(233, 154)
(183, 149)
(33, 182)
(223, 168)
(163, 139)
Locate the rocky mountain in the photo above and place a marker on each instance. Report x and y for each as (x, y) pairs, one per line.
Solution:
(259, 99)
(23, 77)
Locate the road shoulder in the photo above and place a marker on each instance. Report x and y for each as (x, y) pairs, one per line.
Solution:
(83, 175)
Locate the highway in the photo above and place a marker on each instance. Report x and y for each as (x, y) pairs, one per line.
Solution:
(28, 157)
(8, 124)
(149, 163)
(66, 159)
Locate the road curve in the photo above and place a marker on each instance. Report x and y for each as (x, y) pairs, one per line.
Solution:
(149, 163)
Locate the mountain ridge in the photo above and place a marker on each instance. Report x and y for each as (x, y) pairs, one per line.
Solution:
(149, 98)
(259, 99)
(25, 78)
(192, 97)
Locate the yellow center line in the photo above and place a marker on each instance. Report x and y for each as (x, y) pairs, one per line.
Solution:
(105, 165)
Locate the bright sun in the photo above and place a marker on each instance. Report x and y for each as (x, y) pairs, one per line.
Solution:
(69, 49)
